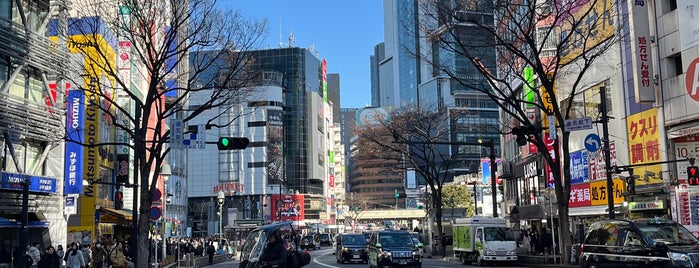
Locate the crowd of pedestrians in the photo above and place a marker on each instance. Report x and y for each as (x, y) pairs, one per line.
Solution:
(108, 254)
(537, 243)
(111, 253)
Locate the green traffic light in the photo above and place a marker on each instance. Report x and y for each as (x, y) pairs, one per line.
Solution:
(224, 141)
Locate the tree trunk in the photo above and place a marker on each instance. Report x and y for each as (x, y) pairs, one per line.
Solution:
(143, 242)
(564, 233)
(438, 219)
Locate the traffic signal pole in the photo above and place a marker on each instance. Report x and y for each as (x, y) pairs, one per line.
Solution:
(606, 152)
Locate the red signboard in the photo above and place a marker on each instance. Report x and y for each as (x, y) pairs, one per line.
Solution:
(691, 80)
(287, 208)
(579, 195)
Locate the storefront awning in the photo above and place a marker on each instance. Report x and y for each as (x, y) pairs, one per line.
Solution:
(588, 211)
(110, 215)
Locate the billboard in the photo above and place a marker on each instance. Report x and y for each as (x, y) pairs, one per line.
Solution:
(595, 193)
(275, 147)
(644, 143)
(287, 207)
(75, 107)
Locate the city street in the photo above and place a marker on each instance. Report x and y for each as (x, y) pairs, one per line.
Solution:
(324, 258)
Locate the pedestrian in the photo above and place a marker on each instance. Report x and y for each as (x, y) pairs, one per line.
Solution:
(98, 256)
(50, 259)
(60, 252)
(116, 256)
(275, 254)
(526, 241)
(35, 255)
(211, 250)
(546, 242)
(535, 242)
(87, 253)
(74, 257)
(444, 245)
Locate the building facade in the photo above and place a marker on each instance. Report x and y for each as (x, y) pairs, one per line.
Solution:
(283, 173)
(32, 92)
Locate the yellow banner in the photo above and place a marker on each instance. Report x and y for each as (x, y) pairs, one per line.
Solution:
(591, 24)
(644, 145)
(599, 194)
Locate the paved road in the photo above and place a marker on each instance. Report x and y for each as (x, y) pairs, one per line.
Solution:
(323, 258)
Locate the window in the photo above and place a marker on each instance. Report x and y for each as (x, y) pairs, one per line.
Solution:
(674, 65)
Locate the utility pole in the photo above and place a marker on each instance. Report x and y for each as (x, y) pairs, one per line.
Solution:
(606, 152)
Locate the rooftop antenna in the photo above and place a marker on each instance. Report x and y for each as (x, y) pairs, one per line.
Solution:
(291, 38)
(280, 32)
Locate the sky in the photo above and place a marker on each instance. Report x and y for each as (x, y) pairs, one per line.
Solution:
(343, 32)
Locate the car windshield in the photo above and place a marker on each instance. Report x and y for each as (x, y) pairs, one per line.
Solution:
(324, 237)
(396, 240)
(499, 234)
(354, 240)
(670, 234)
(253, 245)
(416, 238)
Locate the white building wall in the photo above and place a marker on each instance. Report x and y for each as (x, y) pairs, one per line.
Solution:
(205, 166)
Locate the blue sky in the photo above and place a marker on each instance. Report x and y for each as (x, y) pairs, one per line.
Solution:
(343, 32)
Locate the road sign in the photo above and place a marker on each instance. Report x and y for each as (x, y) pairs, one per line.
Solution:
(592, 142)
(155, 213)
(578, 124)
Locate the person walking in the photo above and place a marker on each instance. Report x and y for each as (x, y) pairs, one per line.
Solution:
(444, 245)
(35, 255)
(98, 256)
(526, 241)
(116, 256)
(211, 250)
(60, 252)
(50, 259)
(74, 257)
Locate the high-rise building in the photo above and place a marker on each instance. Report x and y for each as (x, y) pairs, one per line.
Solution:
(283, 173)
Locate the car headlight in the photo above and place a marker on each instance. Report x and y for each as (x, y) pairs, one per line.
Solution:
(416, 253)
(345, 249)
(679, 257)
(489, 252)
(511, 253)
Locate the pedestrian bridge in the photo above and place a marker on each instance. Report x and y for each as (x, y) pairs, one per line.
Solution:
(387, 214)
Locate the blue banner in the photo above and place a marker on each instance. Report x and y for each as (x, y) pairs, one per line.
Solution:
(579, 170)
(75, 130)
(36, 184)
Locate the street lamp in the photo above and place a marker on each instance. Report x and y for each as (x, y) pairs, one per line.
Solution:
(221, 199)
(165, 173)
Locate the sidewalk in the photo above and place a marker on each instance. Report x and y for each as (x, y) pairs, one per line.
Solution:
(523, 260)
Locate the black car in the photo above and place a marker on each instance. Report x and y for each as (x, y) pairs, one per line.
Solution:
(324, 239)
(640, 243)
(393, 249)
(351, 247)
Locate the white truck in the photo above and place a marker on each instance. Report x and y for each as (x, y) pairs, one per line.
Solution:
(483, 240)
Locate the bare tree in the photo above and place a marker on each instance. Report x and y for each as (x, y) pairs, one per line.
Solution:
(140, 62)
(498, 40)
(409, 137)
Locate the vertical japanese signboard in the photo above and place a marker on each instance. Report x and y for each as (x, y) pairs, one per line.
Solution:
(75, 121)
(644, 143)
(641, 49)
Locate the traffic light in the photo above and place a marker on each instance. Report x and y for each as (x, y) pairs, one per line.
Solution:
(356, 208)
(400, 195)
(631, 185)
(232, 143)
(693, 175)
(118, 199)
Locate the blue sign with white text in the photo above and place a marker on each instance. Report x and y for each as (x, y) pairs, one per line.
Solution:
(75, 130)
(579, 170)
(36, 183)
